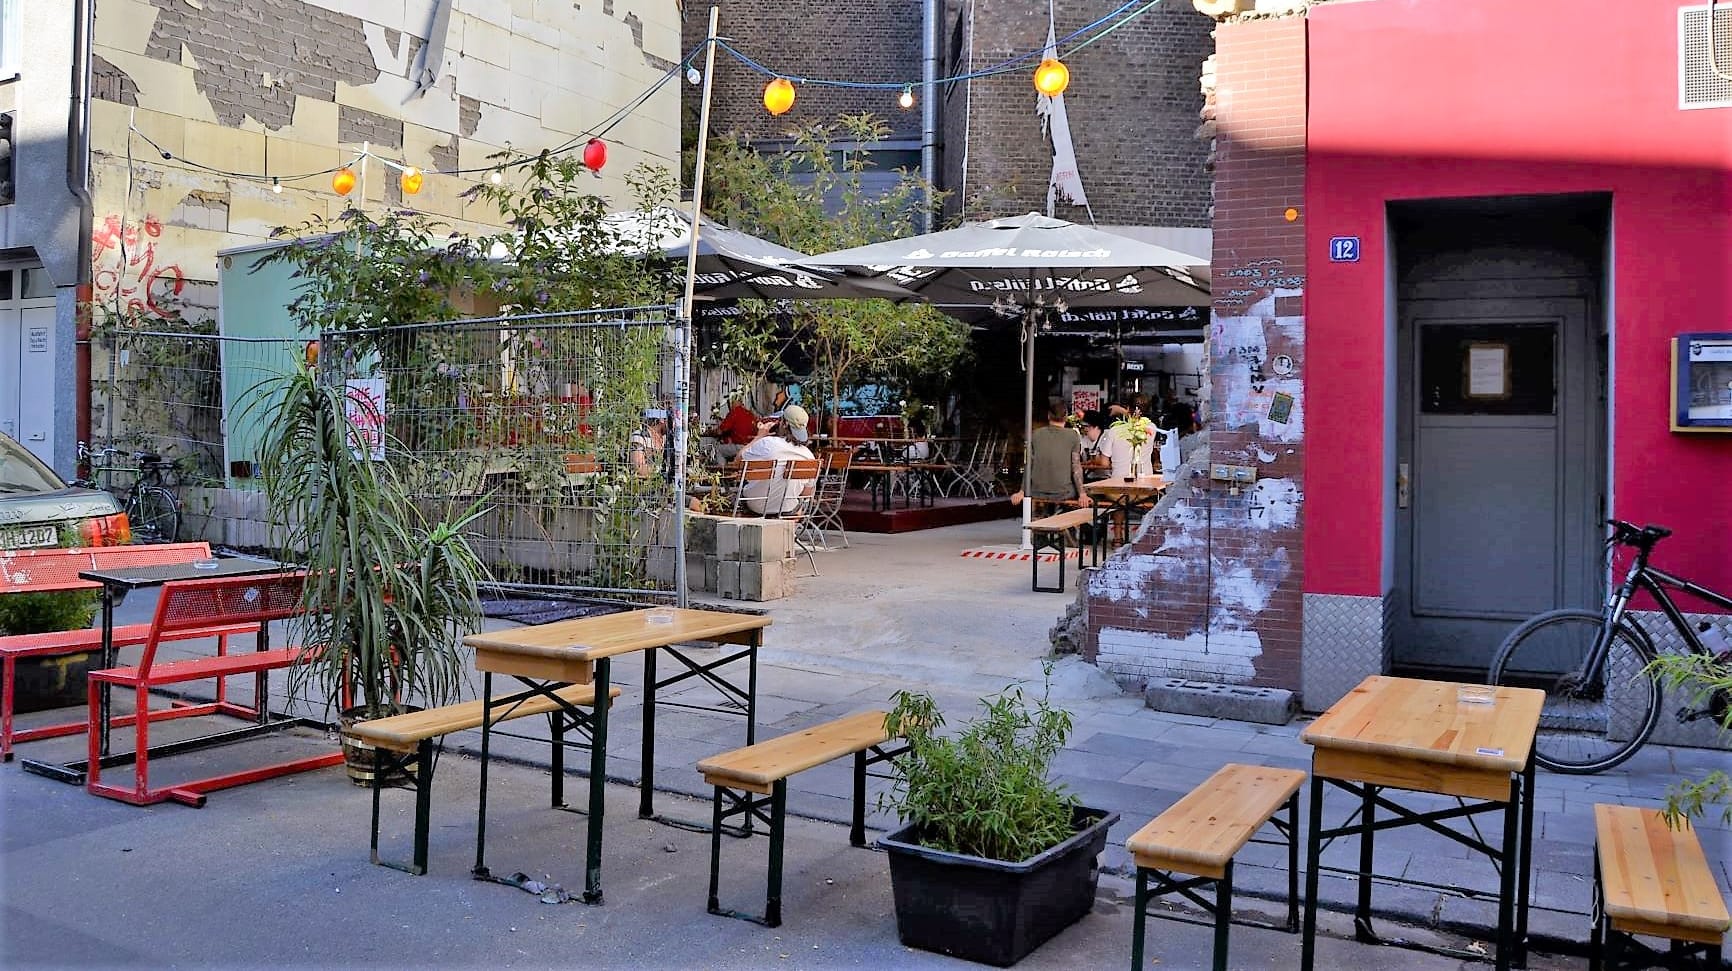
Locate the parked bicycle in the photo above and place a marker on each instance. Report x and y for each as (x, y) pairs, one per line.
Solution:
(1602, 696)
(151, 507)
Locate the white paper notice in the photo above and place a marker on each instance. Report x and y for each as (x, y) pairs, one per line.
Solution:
(1485, 372)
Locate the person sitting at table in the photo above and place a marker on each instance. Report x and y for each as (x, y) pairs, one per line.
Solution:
(649, 444)
(1118, 448)
(1095, 462)
(788, 442)
(735, 431)
(1055, 474)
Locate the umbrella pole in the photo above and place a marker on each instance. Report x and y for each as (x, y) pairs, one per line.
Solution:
(1028, 327)
(688, 324)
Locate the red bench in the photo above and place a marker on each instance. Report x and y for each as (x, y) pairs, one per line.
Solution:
(56, 571)
(185, 607)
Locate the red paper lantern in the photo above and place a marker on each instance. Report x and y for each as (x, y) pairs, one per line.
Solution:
(595, 155)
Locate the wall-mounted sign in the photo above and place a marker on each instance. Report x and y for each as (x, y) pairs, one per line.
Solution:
(1343, 249)
(1133, 365)
(1281, 408)
(1702, 383)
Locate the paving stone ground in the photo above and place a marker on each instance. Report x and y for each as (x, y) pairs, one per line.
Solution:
(907, 612)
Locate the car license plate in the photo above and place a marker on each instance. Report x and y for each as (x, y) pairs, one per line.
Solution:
(28, 536)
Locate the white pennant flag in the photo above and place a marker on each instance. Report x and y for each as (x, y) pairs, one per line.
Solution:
(1065, 182)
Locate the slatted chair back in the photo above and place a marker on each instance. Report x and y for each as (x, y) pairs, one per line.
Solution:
(40, 571)
(799, 483)
(752, 470)
(192, 604)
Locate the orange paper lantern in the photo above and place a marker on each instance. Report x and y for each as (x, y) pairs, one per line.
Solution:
(343, 182)
(1051, 77)
(410, 180)
(779, 96)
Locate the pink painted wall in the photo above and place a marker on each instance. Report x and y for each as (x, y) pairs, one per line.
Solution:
(1414, 99)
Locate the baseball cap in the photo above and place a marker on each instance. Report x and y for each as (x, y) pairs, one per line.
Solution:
(796, 418)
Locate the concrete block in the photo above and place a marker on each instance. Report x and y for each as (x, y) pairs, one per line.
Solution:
(696, 578)
(728, 579)
(660, 565)
(765, 581)
(1268, 706)
(766, 541)
(728, 538)
(712, 573)
(700, 533)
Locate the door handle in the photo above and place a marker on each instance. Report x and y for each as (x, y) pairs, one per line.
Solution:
(1403, 485)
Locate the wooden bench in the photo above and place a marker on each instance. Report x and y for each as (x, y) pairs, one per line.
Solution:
(56, 571)
(187, 606)
(404, 743)
(1050, 533)
(756, 777)
(1199, 836)
(1652, 880)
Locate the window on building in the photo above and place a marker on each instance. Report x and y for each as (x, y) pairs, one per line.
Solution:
(11, 35)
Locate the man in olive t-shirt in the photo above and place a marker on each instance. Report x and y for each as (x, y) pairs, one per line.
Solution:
(1055, 459)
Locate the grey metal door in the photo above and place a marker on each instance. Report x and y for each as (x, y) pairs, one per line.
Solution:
(1498, 483)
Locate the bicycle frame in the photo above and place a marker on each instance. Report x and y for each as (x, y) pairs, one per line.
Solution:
(1655, 582)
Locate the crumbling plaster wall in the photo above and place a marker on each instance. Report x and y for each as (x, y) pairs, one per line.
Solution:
(1210, 587)
(287, 87)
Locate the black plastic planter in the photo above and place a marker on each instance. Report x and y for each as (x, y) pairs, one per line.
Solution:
(989, 911)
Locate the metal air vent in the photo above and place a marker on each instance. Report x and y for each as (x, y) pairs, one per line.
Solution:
(1704, 57)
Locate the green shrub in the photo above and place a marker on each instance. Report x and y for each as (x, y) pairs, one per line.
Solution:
(36, 613)
(983, 792)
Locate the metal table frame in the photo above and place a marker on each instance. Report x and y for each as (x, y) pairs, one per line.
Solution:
(593, 724)
(148, 577)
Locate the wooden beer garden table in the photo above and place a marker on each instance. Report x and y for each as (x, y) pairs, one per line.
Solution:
(548, 657)
(1120, 498)
(1406, 735)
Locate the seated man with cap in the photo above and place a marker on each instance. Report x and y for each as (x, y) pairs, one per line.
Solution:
(785, 443)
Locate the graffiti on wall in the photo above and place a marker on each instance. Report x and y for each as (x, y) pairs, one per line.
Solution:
(126, 277)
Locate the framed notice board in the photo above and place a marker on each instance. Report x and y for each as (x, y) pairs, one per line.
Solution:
(1702, 382)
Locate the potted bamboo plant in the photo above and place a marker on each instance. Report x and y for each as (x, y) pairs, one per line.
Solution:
(994, 858)
(389, 592)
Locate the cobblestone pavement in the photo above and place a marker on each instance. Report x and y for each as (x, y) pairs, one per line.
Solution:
(908, 612)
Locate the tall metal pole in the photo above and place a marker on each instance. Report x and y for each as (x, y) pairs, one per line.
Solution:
(1028, 330)
(683, 353)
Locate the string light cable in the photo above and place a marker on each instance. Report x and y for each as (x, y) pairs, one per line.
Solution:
(1105, 25)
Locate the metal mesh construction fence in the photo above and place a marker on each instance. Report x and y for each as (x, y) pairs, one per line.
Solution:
(181, 394)
(558, 425)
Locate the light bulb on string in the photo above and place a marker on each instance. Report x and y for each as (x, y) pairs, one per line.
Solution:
(694, 75)
(343, 182)
(779, 96)
(496, 176)
(906, 98)
(1051, 77)
(411, 180)
(276, 186)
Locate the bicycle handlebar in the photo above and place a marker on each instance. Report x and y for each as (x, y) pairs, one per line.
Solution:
(1641, 537)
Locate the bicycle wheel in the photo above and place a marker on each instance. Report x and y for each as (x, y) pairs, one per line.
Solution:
(154, 514)
(1586, 726)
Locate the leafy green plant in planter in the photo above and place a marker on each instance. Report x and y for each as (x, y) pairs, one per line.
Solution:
(995, 858)
(389, 594)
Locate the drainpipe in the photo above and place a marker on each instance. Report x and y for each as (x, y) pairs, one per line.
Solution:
(78, 184)
(930, 26)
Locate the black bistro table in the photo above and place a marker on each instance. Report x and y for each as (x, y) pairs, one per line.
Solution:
(120, 580)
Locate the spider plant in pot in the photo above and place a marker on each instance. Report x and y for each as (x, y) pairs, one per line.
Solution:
(389, 592)
(994, 858)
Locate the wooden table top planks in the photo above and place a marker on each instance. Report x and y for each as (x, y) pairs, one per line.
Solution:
(566, 650)
(1656, 880)
(1201, 832)
(1116, 487)
(1419, 735)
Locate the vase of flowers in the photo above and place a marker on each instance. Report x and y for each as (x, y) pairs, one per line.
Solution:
(1136, 431)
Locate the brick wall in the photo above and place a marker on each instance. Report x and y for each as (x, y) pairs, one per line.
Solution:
(1133, 103)
(862, 40)
(1212, 588)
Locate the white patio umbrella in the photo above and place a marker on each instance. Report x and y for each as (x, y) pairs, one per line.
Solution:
(1027, 268)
